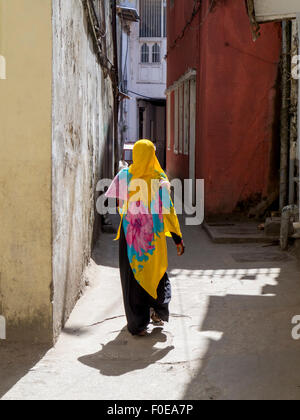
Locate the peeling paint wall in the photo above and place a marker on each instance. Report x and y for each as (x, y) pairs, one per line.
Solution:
(81, 143)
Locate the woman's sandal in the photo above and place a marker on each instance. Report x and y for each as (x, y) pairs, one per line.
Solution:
(143, 334)
(156, 320)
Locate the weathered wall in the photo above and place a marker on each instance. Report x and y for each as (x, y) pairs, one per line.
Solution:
(236, 99)
(25, 169)
(82, 122)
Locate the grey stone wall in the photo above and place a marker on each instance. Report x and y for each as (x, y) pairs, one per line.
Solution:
(81, 148)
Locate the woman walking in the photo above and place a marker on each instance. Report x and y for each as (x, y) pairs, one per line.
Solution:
(147, 218)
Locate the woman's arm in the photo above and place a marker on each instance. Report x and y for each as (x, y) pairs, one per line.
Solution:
(179, 243)
(177, 239)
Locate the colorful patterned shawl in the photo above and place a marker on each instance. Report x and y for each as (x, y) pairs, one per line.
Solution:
(147, 215)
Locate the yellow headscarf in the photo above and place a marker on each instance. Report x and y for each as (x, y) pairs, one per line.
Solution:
(145, 163)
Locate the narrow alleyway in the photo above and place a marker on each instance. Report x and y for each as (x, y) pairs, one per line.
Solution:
(229, 335)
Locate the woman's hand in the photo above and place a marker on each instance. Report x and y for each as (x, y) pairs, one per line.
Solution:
(180, 249)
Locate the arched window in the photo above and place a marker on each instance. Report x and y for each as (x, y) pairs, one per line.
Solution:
(156, 53)
(145, 53)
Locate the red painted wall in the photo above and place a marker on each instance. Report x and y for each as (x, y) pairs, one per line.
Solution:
(236, 100)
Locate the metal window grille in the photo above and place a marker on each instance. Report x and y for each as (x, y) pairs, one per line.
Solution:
(145, 53)
(156, 58)
(169, 104)
(176, 124)
(151, 14)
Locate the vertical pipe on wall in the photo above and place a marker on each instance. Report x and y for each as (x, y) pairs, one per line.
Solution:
(284, 151)
(293, 118)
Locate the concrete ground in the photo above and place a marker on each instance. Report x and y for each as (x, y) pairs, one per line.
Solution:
(229, 336)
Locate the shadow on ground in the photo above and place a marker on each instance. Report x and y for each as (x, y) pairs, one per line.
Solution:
(253, 356)
(126, 354)
(238, 302)
(16, 361)
(256, 357)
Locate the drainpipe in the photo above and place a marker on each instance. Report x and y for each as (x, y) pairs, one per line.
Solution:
(284, 152)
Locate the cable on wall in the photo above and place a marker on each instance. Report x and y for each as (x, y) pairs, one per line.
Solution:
(196, 10)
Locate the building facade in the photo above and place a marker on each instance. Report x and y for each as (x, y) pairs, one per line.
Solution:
(222, 95)
(56, 118)
(143, 72)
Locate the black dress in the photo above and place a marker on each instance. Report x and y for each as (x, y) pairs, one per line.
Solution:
(137, 301)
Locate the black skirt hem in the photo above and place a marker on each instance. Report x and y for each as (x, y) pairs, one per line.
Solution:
(137, 301)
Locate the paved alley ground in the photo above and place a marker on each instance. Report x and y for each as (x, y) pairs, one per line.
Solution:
(229, 336)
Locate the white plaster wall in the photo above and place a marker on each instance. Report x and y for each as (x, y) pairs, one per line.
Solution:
(81, 144)
(136, 70)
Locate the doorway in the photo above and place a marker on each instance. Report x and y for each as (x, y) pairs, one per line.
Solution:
(152, 125)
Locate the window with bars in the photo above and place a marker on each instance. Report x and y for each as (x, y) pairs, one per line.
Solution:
(153, 15)
(145, 53)
(181, 109)
(156, 54)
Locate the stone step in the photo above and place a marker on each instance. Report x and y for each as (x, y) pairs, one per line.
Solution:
(245, 232)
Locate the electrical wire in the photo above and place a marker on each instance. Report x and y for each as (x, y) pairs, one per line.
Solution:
(196, 10)
(143, 96)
